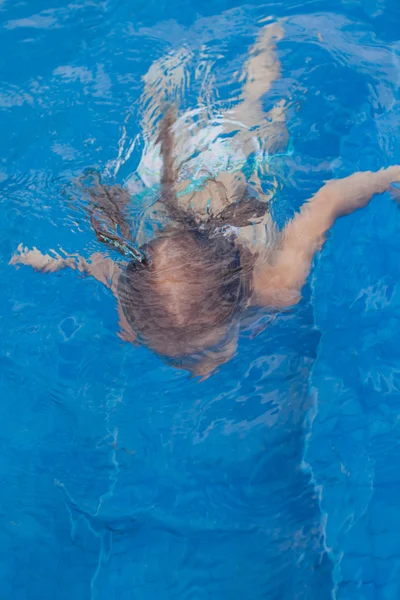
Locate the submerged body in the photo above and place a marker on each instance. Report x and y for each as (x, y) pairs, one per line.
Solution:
(186, 298)
(183, 292)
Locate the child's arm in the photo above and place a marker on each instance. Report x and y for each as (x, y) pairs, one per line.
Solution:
(278, 282)
(102, 268)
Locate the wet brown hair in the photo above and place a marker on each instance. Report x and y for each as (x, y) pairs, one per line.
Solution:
(184, 290)
(186, 297)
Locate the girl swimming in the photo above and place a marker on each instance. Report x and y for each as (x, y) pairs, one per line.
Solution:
(183, 292)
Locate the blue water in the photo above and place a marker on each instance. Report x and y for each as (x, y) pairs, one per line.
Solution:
(279, 476)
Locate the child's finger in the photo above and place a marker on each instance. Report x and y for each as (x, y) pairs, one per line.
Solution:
(395, 192)
(55, 254)
(68, 254)
(393, 173)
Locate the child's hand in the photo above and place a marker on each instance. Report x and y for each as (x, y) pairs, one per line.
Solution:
(354, 192)
(392, 174)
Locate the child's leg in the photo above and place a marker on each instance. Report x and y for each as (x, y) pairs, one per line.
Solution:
(261, 70)
(164, 83)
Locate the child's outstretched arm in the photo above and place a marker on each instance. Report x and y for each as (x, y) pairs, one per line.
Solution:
(100, 267)
(278, 281)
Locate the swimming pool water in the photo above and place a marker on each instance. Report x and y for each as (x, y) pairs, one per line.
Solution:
(122, 478)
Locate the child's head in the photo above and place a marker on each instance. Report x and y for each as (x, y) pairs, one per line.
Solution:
(185, 298)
